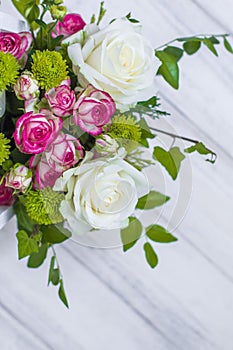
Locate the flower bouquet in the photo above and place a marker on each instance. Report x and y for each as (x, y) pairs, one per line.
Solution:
(75, 100)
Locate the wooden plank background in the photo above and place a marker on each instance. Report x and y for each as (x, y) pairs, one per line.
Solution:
(116, 300)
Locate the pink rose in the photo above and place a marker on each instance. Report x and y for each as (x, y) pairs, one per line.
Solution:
(44, 175)
(34, 132)
(63, 153)
(61, 100)
(15, 44)
(6, 194)
(71, 23)
(26, 87)
(93, 110)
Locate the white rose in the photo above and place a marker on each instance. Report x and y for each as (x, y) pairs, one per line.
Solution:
(117, 59)
(101, 193)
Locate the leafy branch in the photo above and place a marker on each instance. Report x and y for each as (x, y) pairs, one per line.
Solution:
(197, 37)
(55, 277)
(155, 233)
(169, 55)
(198, 146)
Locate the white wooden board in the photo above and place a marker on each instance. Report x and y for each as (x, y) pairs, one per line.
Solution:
(116, 300)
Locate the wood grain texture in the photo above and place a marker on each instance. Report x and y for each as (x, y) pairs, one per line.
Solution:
(116, 300)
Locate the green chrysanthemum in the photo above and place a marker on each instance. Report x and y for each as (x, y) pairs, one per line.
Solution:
(49, 68)
(43, 206)
(4, 148)
(9, 70)
(126, 131)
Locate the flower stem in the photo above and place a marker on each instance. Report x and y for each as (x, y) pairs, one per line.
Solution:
(174, 135)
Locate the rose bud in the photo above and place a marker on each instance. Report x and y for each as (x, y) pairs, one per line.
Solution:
(64, 152)
(6, 194)
(71, 23)
(15, 44)
(61, 100)
(19, 178)
(106, 145)
(26, 87)
(34, 132)
(58, 12)
(93, 110)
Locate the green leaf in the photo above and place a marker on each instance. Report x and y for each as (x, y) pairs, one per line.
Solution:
(151, 256)
(101, 13)
(159, 234)
(131, 234)
(54, 234)
(151, 103)
(51, 269)
(208, 43)
(145, 132)
(171, 160)
(93, 19)
(174, 51)
(41, 23)
(54, 273)
(191, 47)
(55, 276)
(26, 245)
(62, 294)
(169, 68)
(202, 149)
(21, 5)
(23, 220)
(227, 45)
(214, 40)
(151, 200)
(133, 20)
(56, 41)
(36, 259)
(31, 13)
(28, 8)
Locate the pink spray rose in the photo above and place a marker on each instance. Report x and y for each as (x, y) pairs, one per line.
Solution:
(34, 132)
(63, 153)
(15, 44)
(61, 100)
(93, 110)
(6, 194)
(44, 175)
(19, 178)
(26, 87)
(71, 24)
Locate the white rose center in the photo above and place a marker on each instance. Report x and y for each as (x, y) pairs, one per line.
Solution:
(126, 56)
(110, 196)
